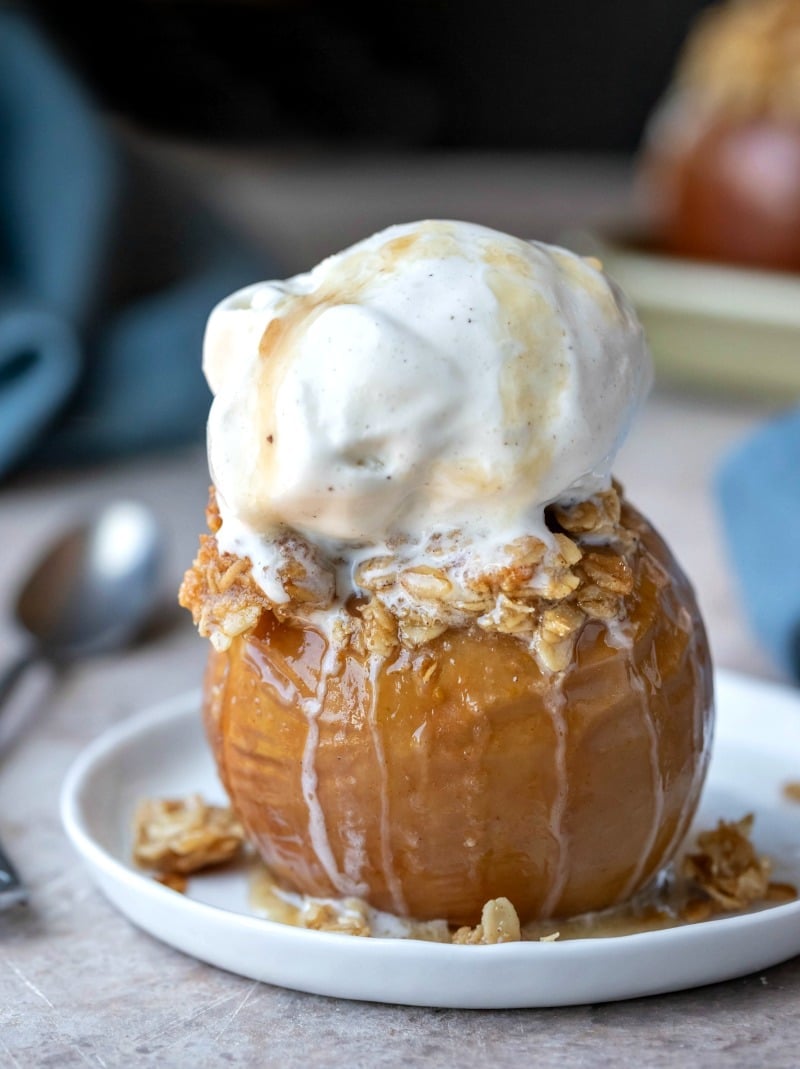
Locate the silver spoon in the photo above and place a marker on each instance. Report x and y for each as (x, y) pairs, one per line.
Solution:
(91, 592)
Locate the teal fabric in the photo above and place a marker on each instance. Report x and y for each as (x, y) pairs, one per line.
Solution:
(758, 490)
(39, 366)
(107, 274)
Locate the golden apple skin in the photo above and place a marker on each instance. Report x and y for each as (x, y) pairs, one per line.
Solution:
(435, 779)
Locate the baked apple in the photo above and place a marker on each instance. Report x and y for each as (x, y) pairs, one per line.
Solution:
(450, 663)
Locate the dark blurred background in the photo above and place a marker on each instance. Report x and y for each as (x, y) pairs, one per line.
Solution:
(222, 141)
(560, 75)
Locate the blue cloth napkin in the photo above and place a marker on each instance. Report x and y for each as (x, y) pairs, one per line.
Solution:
(107, 275)
(758, 489)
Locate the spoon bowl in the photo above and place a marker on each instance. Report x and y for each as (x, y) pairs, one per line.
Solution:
(94, 588)
(91, 591)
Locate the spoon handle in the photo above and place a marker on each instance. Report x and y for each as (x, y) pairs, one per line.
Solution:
(13, 672)
(12, 890)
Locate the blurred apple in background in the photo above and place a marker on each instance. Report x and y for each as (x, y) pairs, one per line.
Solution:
(719, 167)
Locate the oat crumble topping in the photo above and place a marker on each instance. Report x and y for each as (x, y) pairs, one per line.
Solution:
(792, 791)
(538, 592)
(350, 919)
(729, 873)
(178, 836)
(176, 881)
(499, 923)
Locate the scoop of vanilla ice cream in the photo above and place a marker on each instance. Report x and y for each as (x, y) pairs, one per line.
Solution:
(437, 375)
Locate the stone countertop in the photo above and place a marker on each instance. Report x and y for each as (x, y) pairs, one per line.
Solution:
(79, 985)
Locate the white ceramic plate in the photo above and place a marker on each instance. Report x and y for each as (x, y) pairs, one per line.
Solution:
(163, 752)
(717, 327)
